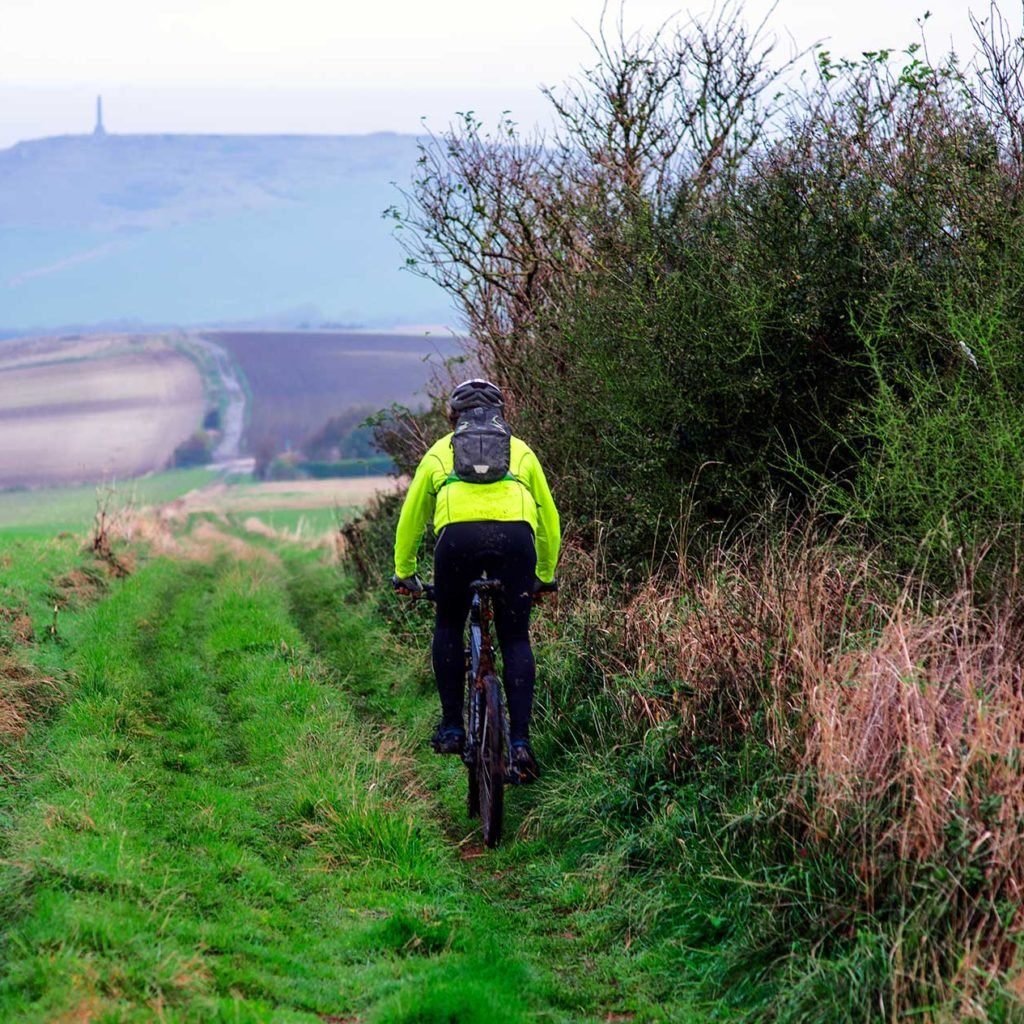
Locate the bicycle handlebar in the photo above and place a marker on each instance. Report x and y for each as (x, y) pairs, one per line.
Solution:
(478, 587)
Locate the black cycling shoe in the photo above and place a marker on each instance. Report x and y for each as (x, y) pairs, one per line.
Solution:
(448, 739)
(524, 762)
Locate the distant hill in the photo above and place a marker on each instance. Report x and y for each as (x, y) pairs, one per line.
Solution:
(202, 229)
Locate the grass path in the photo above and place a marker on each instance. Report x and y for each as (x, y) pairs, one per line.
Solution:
(210, 831)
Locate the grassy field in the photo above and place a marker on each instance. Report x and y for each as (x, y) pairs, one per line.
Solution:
(300, 380)
(87, 408)
(227, 814)
(73, 508)
(302, 523)
(302, 508)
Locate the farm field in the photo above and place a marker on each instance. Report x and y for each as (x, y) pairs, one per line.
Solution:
(86, 409)
(73, 508)
(299, 380)
(302, 509)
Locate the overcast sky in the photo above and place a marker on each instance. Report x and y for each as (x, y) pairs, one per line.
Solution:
(343, 66)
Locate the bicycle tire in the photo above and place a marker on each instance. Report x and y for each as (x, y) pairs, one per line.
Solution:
(491, 764)
(473, 754)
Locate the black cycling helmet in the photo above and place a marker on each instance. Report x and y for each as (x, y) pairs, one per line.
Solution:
(476, 394)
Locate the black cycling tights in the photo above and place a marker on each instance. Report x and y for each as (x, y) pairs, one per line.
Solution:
(464, 552)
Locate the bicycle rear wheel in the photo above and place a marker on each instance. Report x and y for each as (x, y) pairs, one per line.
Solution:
(491, 763)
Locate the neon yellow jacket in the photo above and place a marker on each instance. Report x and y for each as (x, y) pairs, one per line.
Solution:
(526, 498)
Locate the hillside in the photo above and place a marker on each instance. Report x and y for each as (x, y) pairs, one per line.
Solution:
(178, 229)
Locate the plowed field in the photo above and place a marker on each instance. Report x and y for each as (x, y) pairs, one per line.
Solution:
(298, 380)
(81, 410)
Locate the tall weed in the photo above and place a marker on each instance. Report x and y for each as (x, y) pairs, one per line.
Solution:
(857, 733)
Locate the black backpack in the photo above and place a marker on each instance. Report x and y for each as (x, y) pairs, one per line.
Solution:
(482, 444)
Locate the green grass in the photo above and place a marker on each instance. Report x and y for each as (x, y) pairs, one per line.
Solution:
(602, 931)
(72, 508)
(304, 523)
(28, 568)
(221, 824)
(204, 830)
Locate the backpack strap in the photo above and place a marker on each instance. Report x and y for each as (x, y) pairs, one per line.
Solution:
(454, 478)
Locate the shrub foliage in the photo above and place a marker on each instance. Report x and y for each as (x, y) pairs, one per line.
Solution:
(707, 288)
(709, 293)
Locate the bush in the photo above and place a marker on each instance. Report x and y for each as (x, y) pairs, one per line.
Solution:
(197, 450)
(695, 315)
(375, 466)
(287, 466)
(348, 436)
(936, 455)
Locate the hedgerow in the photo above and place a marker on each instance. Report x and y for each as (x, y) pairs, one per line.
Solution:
(707, 290)
(767, 343)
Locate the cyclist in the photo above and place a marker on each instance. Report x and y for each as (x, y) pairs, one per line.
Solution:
(507, 528)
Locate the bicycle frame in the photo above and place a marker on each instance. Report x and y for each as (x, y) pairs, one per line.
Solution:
(480, 663)
(487, 753)
(481, 650)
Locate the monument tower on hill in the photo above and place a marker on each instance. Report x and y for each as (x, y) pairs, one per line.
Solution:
(99, 129)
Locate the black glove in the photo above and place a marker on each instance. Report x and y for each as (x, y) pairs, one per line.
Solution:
(411, 585)
(541, 589)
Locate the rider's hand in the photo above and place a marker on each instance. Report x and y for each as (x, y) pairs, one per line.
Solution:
(410, 586)
(543, 591)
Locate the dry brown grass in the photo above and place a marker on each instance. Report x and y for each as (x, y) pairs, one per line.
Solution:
(935, 704)
(166, 532)
(13, 721)
(18, 623)
(206, 542)
(25, 694)
(79, 587)
(203, 525)
(897, 714)
(247, 499)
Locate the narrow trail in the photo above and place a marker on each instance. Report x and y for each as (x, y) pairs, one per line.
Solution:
(231, 819)
(228, 450)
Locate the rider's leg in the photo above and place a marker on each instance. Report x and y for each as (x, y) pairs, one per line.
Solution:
(455, 567)
(516, 566)
(464, 551)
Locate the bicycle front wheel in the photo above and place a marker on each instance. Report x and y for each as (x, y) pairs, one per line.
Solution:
(491, 763)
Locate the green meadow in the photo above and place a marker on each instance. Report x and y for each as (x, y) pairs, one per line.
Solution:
(225, 812)
(73, 508)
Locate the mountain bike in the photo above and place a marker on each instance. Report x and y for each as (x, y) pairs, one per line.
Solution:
(487, 753)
